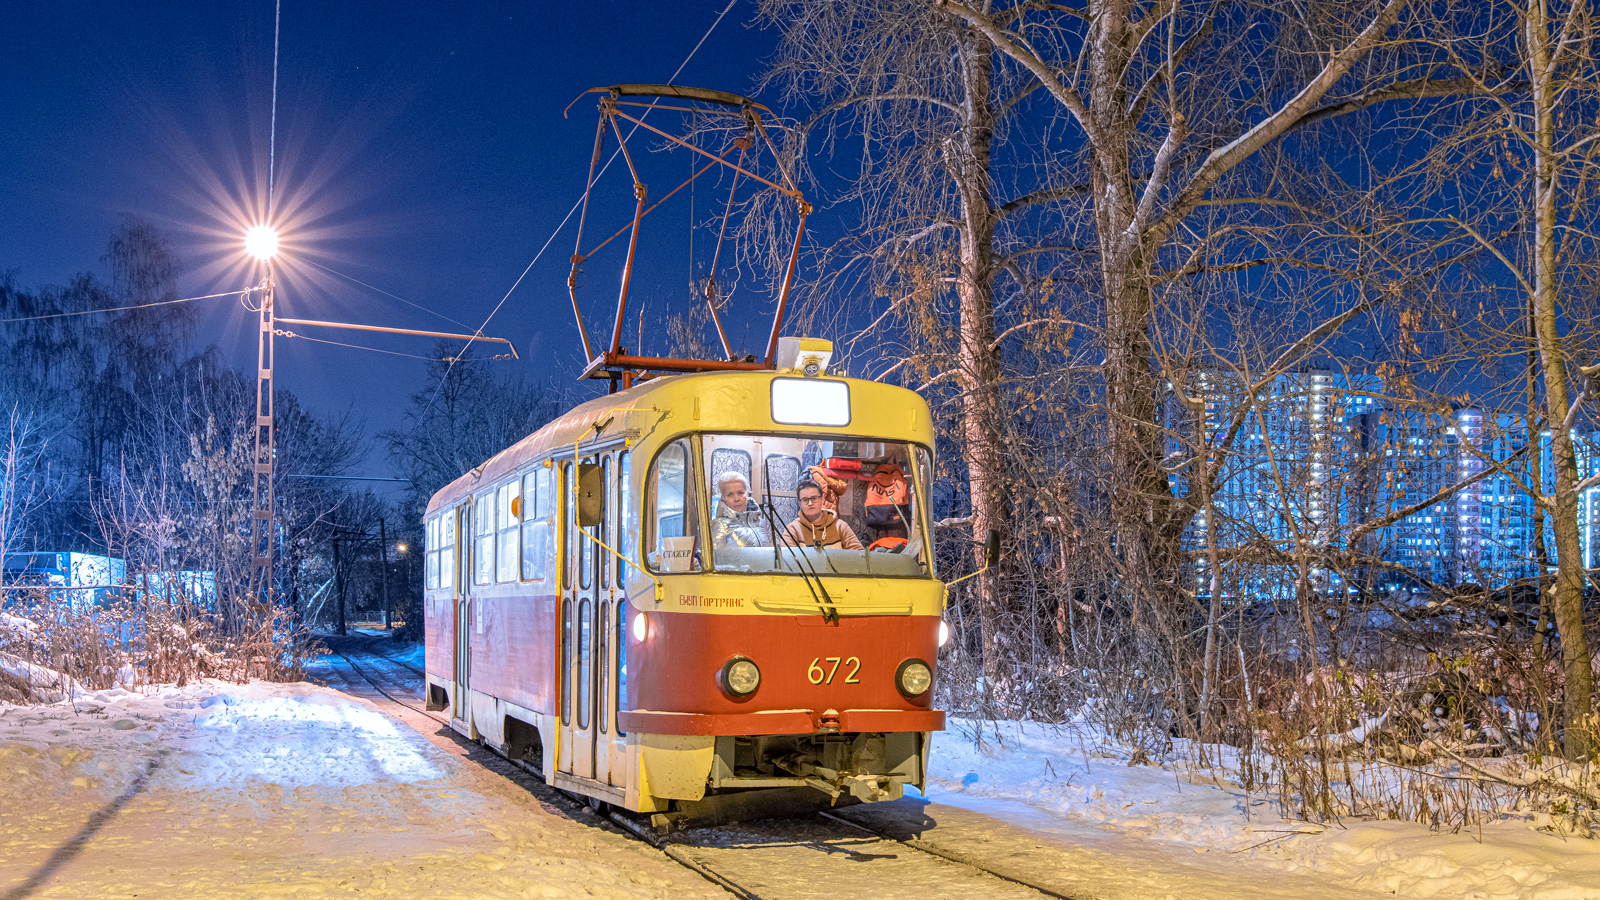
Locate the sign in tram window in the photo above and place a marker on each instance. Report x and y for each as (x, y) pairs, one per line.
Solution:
(507, 504)
(535, 523)
(483, 538)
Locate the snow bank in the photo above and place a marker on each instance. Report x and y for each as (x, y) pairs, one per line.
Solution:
(1046, 777)
(47, 684)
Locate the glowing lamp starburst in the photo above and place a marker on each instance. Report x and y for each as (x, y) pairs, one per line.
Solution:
(261, 242)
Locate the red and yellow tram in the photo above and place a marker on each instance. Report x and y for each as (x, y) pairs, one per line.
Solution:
(597, 612)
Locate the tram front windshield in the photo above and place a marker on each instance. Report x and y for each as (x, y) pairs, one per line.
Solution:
(833, 507)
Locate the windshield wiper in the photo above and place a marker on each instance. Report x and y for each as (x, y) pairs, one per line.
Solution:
(830, 612)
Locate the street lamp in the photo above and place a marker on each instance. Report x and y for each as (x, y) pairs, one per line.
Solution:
(261, 241)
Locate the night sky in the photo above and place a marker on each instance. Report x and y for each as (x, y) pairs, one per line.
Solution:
(421, 148)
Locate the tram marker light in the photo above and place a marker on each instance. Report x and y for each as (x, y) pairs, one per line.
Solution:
(641, 627)
(944, 632)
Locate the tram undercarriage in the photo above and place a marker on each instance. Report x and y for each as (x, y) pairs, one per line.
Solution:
(685, 781)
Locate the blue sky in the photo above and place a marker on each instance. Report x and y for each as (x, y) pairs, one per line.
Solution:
(420, 147)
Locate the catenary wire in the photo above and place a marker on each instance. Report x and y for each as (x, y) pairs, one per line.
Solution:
(576, 204)
(386, 293)
(112, 309)
(293, 334)
(272, 130)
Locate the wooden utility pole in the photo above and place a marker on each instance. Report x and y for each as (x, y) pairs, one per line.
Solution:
(338, 579)
(383, 556)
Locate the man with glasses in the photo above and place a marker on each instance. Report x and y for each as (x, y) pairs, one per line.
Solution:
(817, 526)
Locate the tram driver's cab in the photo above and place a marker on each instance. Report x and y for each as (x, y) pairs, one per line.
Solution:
(874, 488)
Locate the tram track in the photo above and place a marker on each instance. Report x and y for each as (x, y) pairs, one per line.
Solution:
(826, 835)
(339, 650)
(742, 858)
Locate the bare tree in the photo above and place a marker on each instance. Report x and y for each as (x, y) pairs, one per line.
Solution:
(1530, 150)
(953, 192)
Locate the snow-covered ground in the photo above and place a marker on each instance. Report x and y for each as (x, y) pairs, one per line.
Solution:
(1067, 783)
(217, 790)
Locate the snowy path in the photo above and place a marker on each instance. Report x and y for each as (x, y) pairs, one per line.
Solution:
(284, 790)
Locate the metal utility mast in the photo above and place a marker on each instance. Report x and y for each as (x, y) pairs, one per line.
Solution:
(263, 505)
(263, 464)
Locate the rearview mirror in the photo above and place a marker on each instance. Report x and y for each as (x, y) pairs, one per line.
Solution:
(991, 550)
(591, 495)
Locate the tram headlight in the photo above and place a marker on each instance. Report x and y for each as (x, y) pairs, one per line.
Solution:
(944, 632)
(740, 676)
(641, 627)
(913, 678)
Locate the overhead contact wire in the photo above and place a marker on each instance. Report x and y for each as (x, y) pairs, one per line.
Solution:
(112, 309)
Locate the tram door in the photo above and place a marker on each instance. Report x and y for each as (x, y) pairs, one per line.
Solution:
(583, 612)
(610, 757)
(456, 544)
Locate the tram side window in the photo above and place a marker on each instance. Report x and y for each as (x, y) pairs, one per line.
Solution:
(508, 503)
(447, 549)
(625, 517)
(483, 538)
(673, 526)
(584, 551)
(920, 485)
(535, 523)
(430, 545)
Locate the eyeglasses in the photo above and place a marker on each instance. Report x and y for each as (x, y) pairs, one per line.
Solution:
(810, 499)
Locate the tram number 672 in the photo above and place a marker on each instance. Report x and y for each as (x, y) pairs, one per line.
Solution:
(821, 671)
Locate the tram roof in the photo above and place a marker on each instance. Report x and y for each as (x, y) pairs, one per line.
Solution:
(666, 407)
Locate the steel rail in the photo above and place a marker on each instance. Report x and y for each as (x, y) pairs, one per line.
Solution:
(379, 688)
(960, 859)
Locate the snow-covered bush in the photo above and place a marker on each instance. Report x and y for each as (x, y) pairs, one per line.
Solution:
(49, 647)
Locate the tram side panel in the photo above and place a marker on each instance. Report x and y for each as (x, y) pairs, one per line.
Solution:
(514, 657)
(438, 659)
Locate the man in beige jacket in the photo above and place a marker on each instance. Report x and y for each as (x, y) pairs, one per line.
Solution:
(818, 526)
